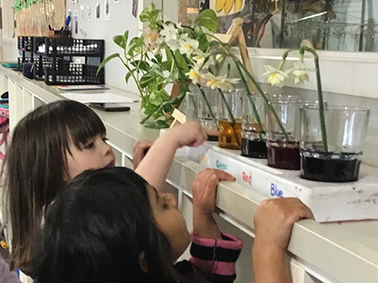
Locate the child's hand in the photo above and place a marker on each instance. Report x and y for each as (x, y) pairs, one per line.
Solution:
(188, 134)
(275, 218)
(204, 190)
(274, 221)
(140, 149)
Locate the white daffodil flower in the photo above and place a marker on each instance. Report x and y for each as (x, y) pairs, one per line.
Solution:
(228, 84)
(212, 81)
(199, 58)
(300, 73)
(275, 76)
(221, 82)
(188, 45)
(195, 75)
(170, 34)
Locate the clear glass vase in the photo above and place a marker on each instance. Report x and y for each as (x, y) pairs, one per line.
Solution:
(202, 106)
(230, 111)
(283, 145)
(345, 131)
(253, 127)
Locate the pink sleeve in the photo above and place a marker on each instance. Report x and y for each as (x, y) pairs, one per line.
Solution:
(216, 256)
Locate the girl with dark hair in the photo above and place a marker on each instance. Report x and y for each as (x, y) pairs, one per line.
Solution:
(53, 144)
(110, 225)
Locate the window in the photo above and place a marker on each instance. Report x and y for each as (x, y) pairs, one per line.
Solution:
(337, 25)
(336, 66)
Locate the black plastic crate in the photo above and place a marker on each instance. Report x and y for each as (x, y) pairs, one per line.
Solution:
(74, 47)
(37, 42)
(39, 64)
(67, 73)
(25, 43)
(21, 62)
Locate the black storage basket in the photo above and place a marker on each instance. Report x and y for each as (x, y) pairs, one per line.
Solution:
(25, 43)
(68, 73)
(67, 46)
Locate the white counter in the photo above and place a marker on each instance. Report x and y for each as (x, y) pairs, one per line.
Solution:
(333, 252)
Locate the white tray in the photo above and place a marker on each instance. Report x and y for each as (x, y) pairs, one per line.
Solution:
(328, 201)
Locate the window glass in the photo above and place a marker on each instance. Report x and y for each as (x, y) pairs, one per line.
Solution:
(337, 25)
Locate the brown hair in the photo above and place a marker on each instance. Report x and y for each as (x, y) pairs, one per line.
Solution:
(35, 168)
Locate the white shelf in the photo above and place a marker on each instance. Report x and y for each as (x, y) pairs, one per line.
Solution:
(329, 202)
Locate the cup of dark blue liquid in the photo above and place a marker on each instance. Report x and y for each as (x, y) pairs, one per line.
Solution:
(334, 155)
(253, 133)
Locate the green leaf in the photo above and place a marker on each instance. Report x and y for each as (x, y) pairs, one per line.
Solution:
(120, 41)
(166, 65)
(149, 14)
(141, 65)
(159, 58)
(128, 75)
(181, 61)
(147, 79)
(135, 46)
(126, 36)
(106, 60)
(203, 42)
(208, 19)
(150, 108)
(157, 97)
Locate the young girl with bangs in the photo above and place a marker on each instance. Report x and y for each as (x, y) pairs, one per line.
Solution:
(110, 225)
(53, 144)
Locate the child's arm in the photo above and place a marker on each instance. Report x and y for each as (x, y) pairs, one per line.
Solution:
(274, 221)
(212, 252)
(204, 190)
(155, 165)
(140, 149)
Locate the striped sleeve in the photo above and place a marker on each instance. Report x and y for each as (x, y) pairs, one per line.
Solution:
(216, 257)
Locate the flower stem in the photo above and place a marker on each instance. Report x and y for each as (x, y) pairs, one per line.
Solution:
(233, 121)
(282, 128)
(194, 105)
(146, 118)
(207, 103)
(251, 101)
(134, 78)
(320, 97)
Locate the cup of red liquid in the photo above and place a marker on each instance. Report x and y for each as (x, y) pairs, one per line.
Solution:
(283, 132)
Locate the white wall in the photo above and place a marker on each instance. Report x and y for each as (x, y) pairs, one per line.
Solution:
(121, 19)
(8, 42)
